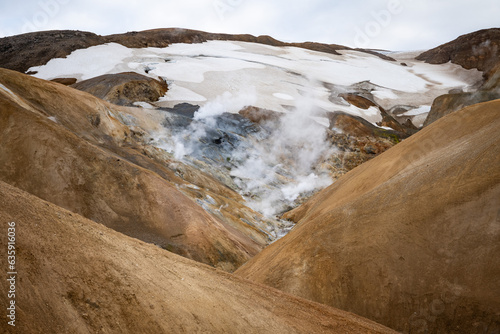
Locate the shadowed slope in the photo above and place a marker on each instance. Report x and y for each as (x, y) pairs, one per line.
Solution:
(410, 239)
(76, 276)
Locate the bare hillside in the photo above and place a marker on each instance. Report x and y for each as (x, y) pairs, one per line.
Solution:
(77, 276)
(410, 239)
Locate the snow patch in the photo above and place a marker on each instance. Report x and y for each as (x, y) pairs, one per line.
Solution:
(201, 72)
(179, 93)
(417, 111)
(384, 94)
(85, 63)
(193, 69)
(283, 96)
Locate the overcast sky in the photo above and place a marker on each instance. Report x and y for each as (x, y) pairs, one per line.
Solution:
(384, 24)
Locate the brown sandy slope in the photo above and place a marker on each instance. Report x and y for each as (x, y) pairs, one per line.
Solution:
(124, 88)
(89, 162)
(410, 239)
(24, 51)
(76, 276)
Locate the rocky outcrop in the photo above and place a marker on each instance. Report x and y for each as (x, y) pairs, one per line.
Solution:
(492, 82)
(124, 88)
(260, 116)
(359, 127)
(76, 276)
(21, 52)
(409, 239)
(400, 131)
(449, 103)
(480, 49)
(358, 100)
(86, 155)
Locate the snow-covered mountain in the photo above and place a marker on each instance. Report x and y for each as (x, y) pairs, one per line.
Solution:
(274, 78)
(273, 165)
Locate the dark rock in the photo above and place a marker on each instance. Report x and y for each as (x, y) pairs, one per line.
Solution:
(38, 48)
(449, 103)
(409, 124)
(182, 109)
(358, 100)
(369, 149)
(65, 81)
(94, 119)
(480, 49)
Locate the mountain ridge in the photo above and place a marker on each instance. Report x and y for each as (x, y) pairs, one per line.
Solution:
(21, 52)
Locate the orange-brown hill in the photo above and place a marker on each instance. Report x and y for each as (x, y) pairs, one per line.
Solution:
(73, 149)
(21, 52)
(77, 276)
(123, 88)
(410, 239)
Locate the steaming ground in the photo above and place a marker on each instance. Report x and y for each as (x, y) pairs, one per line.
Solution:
(272, 164)
(276, 164)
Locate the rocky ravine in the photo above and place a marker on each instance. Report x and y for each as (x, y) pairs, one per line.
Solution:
(76, 151)
(410, 239)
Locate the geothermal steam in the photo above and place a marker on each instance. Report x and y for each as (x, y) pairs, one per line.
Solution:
(272, 166)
